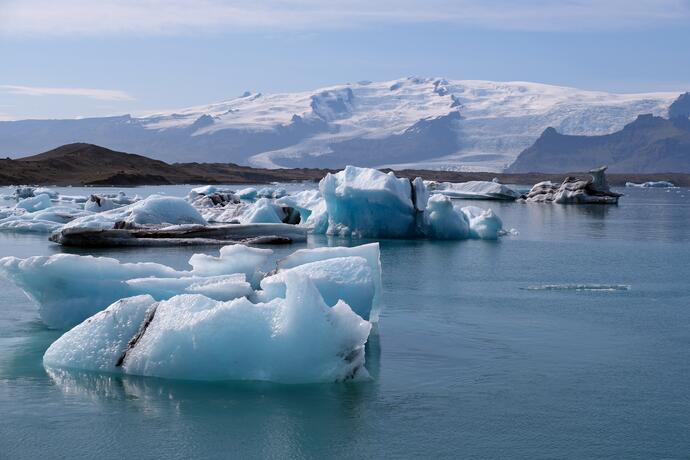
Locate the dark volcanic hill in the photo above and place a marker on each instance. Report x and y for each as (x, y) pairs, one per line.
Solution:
(647, 145)
(88, 164)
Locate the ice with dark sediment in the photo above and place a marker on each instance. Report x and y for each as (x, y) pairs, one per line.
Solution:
(594, 190)
(307, 321)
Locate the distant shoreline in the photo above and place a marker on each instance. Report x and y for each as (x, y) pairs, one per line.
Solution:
(91, 165)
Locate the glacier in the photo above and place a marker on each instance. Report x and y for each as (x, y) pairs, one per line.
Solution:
(419, 122)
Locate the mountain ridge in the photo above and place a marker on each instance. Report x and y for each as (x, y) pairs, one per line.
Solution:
(87, 164)
(430, 123)
(647, 145)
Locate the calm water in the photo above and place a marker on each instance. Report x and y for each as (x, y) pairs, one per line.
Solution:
(468, 362)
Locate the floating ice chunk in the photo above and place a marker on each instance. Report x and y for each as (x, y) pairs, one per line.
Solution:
(293, 340)
(98, 343)
(652, 184)
(365, 202)
(477, 190)
(484, 224)
(369, 252)
(72, 199)
(155, 209)
(444, 222)
(69, 288)
(235, 258)
(420, 195)
(35, 203)
(264, 211)
(579, 287)
(304, 202)
(349, 279)
(204, 190)
(47, 191)
(20, 225)
(268, 192)
(97, 203)
(45, 221)
(248, 194)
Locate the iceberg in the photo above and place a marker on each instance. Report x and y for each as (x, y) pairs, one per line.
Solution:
(368, 203)
(268, 192)
(236, 258)
(477, 190)
(69, 288)
(304, 202)
(247, 194)
(484, 224)
(594, 190)
(443, 222)
(361, 265)
(35, 203)
(296, 339)
(45, 221)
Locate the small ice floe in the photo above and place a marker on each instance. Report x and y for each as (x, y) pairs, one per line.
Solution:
(477, 190)
(45, 221)
(594, 190)
(34, 203)
(270, 192)
(579, 287)
(652, 184)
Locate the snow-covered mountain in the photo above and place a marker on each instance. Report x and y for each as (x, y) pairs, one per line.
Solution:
(421, 122)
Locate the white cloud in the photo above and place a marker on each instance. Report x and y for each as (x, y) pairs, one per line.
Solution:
(88, 17)
(92, 93)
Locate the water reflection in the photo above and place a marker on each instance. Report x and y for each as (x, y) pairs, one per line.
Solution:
(269, 420)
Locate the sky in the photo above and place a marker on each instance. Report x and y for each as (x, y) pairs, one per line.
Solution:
(79, 58)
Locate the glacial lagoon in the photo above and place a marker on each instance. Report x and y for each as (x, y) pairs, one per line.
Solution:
(510, 348)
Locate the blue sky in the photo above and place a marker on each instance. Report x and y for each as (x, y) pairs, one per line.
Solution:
(90, 58)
